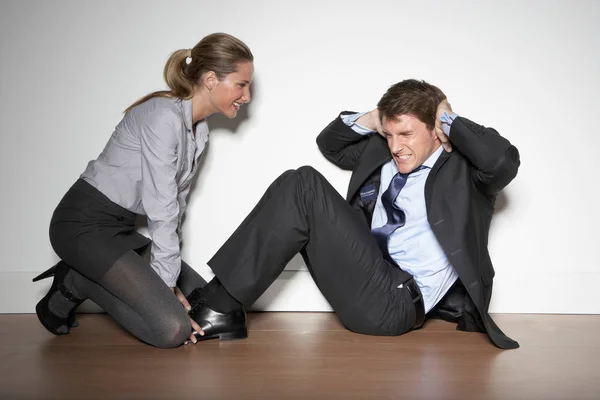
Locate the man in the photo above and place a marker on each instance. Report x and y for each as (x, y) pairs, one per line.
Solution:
(410, 241)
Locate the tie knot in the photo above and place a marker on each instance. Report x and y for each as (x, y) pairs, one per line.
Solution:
(419, 168)
(404, 176)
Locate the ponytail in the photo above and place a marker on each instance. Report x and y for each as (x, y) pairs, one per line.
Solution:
(218, 52)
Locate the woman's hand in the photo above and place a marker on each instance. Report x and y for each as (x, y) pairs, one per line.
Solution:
(186, 304)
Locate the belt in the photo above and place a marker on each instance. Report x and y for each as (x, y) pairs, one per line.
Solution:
(417, 298)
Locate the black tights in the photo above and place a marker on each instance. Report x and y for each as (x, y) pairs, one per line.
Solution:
(136, 297)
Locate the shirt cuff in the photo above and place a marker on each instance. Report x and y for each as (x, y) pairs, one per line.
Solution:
(169, 281)
(350, 120)
(447, 120)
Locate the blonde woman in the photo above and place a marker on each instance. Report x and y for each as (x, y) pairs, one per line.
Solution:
(146, 168)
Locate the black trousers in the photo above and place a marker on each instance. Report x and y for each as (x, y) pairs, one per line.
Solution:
(301, 212)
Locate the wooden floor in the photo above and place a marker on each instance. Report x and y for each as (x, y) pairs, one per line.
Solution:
(302, 356)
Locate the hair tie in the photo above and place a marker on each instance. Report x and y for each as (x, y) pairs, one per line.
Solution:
(188, 59)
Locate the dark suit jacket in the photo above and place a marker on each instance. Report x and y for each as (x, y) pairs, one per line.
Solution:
(460, 193)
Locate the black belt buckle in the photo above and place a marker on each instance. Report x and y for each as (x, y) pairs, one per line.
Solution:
(417, 298)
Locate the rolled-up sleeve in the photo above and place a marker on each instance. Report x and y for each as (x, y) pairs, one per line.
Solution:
(158, 138)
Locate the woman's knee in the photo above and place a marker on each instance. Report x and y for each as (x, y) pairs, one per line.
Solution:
(173, 332)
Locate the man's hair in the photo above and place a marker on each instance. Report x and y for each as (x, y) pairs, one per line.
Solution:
(417, 98)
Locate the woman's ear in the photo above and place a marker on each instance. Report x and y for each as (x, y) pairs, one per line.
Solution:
(209, 80)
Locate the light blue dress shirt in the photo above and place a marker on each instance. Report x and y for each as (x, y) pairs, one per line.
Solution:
(414, 247)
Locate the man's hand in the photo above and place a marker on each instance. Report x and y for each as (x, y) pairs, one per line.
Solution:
(188, 307)
(371, 121)
(443, 107)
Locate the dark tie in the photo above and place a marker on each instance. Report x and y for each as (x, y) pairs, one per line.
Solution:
(395, 216)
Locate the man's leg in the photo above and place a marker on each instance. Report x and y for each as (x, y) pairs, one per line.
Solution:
(302, 212)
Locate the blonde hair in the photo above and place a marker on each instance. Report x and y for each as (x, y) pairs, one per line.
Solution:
(218, 52)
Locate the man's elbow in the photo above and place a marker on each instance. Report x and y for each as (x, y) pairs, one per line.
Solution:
(503, 172)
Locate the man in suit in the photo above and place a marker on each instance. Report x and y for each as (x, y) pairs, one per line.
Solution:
(410, 242)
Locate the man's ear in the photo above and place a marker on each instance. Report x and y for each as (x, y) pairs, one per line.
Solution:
(209, 80)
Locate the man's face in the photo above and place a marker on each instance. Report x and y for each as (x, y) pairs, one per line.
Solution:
(409, 140)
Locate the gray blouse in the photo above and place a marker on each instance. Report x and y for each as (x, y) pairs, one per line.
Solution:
(147, 167)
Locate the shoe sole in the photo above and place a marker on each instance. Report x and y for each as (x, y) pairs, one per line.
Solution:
(225, 336)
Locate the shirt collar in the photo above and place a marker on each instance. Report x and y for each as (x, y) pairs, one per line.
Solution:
(186, 107)
(433, 158)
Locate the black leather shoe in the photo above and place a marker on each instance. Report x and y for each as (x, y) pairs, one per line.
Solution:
(229, 326)
(53, 323)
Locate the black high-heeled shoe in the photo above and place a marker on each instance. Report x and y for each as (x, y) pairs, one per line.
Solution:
(53, 323)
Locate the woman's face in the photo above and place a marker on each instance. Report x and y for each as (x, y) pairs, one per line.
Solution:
(228, 95)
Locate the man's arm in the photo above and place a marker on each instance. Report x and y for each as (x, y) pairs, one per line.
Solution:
(495, 159)
(341, 144)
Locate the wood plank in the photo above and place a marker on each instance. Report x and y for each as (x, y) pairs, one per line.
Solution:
(302, 355)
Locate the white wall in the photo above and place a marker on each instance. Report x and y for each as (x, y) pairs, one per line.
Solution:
(530, 69)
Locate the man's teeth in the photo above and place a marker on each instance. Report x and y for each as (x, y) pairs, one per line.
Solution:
(237, 105)
(406, 157)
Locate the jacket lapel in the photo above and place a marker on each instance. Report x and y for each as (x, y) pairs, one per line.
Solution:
(431, 178)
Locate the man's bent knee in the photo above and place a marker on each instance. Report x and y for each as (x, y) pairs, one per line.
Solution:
(310, 174)
(307, 170)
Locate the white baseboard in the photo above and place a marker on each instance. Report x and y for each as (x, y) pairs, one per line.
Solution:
(295, 290)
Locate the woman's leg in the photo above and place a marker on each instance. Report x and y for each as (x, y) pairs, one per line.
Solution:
(135, 296)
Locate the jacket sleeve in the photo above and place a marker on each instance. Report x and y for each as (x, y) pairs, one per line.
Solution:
(340, 144)
(495, 159)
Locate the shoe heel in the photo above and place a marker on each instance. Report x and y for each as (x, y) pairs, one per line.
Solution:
(235, 335)
(52, 323)
(46, 274)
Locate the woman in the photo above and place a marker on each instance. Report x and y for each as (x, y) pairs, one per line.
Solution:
(146, 168)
